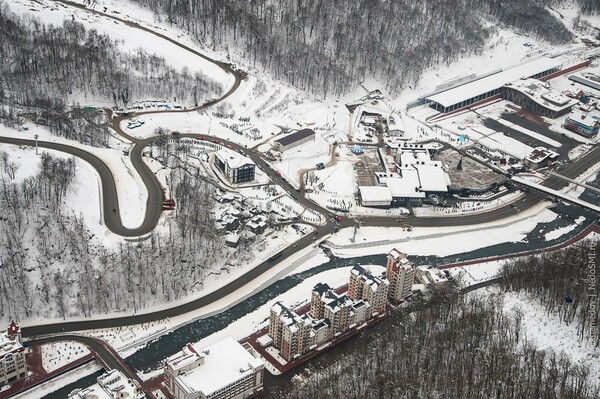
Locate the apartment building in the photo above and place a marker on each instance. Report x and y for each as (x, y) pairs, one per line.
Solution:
(374, 290)
(400, 273)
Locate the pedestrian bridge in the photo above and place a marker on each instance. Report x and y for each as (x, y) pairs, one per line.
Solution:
(557, 194)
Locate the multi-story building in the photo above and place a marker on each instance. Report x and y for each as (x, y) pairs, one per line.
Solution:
(290, 332)
(337, 311)
(360, 311)
(363, 285)
(586, 123)
(400, 272)
(235, 167)
(111, 385)
(12, 355)
(317, 306)
(223, 370)
(330, 314)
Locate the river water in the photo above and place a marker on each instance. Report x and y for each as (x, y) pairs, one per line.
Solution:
(154, 352)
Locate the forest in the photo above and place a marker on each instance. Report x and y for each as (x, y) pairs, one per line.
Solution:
(48, 71)
(467, 346)
(52, 266)
(564, 282)
(328, 46)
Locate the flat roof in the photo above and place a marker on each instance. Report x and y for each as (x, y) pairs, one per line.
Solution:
(375, 194)
(542, 93)
(225, 362)
(486, 84)
(587, 119)
(232, 158)
(585, 80)
(406, 186)
(432, 178)
(293, 137)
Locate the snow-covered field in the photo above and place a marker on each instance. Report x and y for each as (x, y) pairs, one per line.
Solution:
(547, 331)
(440, 241)
(58, 354)
(131, 38)
(131, 192)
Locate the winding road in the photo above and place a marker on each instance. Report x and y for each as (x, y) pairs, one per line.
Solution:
(155, 197)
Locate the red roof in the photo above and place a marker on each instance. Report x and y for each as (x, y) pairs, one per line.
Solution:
(13, 328)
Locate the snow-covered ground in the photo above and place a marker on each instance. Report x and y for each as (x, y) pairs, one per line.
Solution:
(547, 331)
(472, 274)
(131, 38)
(128, 339)
(58, 354)
(84, 196)
(40, 391)
(131, 192)
(468, 207)
(440, 241)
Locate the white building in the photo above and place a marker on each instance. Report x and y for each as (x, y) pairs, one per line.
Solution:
(375, 196)
(537, 96)
(12, 355)
(427, 275)
(223, 370)
(111, 385)
(540, 157)
(235, 167)
(417, 176)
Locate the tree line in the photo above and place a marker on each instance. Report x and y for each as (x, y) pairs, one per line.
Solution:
(565, 283)
(449, 345)
(53, 266)
(328, 46)
(49, 69)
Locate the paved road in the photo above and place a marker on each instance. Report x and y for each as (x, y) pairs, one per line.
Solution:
(155, 203)
(530, 199)
(110, 203)
(105, 354)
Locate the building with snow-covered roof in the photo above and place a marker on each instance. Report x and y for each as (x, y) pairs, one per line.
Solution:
(490, 86)
(540, 157)
(417, 176)
(537, 96)
(222, 370)
(294, 139)
(235, 167)
(400, 272)
(331, 314)
(257, 224)
(375, 196)
(13, 366)
(587, 79)
(290, 332)
(427, 275)
(395, 125)
(364, 286)
(110, 385)
(584, 123)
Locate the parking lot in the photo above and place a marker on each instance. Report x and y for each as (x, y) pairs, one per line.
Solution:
(473, 174)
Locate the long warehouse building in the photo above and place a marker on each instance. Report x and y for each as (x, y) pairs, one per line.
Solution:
(490, 86)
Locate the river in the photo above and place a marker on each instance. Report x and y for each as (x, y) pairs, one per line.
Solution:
(154, 352)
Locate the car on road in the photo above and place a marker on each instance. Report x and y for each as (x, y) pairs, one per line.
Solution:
(320, 166)
(277, 173)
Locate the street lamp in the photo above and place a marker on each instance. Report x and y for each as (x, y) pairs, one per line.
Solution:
(36, 144)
